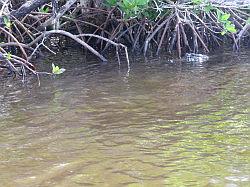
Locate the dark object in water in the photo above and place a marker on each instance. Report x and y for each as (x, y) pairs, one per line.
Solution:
(192, 57)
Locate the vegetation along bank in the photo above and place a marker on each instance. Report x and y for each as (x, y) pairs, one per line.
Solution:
(27, 28)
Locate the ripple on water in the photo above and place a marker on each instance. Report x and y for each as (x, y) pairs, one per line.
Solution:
(161, 125)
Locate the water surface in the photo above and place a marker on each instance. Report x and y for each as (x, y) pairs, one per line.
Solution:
(164, 123)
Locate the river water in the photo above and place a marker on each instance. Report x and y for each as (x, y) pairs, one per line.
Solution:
(163, 123)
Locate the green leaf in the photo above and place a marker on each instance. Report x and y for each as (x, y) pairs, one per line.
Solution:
(136, 9)
(219, 12)
(129, 4)
(150, 14)
(9, 56)
(53, 67)
(224, 17)
(208, 8)
(111, 2)
(62, 70)
(56, 70)
(142, 2)
(231, 28)
(223, 32)
(197, 2)
(44, 9)
(248, 21)
(7, 22)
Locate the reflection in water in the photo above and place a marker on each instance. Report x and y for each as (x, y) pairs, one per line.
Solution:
(163, 125)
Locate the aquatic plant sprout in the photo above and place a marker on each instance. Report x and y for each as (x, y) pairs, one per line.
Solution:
(56, 70)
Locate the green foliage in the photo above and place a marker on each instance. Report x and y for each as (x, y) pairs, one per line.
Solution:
(208, 8)
(131, 8)
(43, 9)
(197, 2)
(8, 56)
(142, 2)
(7, 22)
(223, 18)
(151, 14)
(111, 2)
(228, 26)
(56, 70)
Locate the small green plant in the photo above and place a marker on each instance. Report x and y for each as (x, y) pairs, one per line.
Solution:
(9, 56)
(56, 70)
(228, 26)
(7, 22)
(43, 9)
(130, 8)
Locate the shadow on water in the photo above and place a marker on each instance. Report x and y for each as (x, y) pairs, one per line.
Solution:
(161, 124)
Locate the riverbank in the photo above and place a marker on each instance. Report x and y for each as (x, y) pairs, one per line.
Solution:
(142, 26)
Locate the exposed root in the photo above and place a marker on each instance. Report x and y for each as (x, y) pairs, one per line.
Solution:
(178, 28)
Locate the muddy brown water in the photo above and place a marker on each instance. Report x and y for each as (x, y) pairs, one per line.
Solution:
(161, 124)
